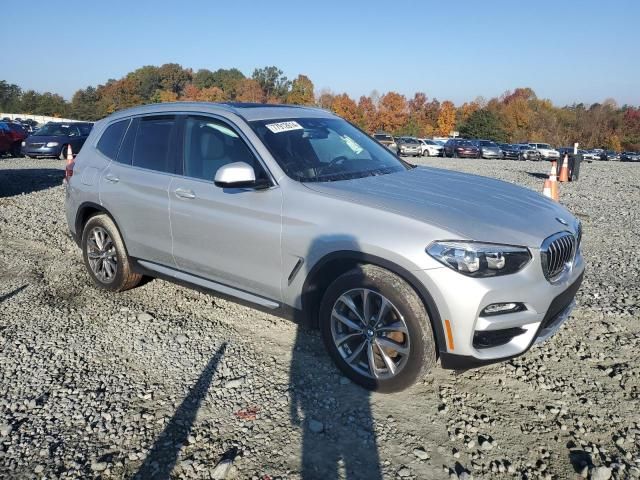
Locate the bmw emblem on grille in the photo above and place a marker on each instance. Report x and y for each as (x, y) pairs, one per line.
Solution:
(562, 221)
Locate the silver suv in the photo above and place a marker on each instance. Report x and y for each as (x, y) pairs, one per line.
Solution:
(297, 212)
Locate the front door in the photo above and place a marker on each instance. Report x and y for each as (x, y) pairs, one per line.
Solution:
(228, 235)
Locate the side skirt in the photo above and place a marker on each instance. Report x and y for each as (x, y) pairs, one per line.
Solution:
(226, 292)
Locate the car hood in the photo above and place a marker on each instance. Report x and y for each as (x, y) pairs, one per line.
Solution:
(45, 138)
(469, 206)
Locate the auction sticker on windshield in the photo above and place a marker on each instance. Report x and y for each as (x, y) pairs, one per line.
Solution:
(284, 126)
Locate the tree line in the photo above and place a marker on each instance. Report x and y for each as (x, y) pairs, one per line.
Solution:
(515, 116)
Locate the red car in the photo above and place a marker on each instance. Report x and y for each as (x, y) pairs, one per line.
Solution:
(16, 134)
(6, 141)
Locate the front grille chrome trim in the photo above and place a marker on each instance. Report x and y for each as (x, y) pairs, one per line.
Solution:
(558, 253)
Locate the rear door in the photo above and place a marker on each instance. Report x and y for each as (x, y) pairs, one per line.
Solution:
(227, 235)
(134, 186)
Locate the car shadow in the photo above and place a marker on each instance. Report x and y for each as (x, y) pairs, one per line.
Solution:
(335, 416)
(27, 180)
(165, 451)
(6, 296)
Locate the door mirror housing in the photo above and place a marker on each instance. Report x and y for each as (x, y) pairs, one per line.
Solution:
(238, 175)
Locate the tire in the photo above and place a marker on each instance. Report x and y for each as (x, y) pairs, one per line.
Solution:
(122, 276)
(63, 153)
(405, 309)
(15, 150)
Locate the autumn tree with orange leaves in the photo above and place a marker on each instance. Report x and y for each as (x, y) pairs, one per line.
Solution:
(345, 107)
(446, 119)
(392, 112)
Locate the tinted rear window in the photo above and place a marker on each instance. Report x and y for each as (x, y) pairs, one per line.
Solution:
(110, 141)
(153, 140)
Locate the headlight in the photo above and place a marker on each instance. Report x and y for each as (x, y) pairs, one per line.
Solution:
(52, 144)
(480, 259)
(24, 144)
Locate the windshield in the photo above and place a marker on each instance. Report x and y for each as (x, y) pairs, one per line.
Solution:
(51, 129)
(487, 143)
(325, 149)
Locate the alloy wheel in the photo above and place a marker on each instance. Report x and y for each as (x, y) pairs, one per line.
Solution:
(101, 253)
(370, 334)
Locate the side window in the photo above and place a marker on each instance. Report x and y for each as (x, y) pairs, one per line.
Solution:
(210, 144)
(153, 142)
(109, 142)
(125, 155)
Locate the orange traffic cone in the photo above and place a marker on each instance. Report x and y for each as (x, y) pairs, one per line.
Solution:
(68, 169)
(546, 190)
(553, 180)
(564, 171)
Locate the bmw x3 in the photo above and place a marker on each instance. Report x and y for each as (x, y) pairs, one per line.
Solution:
(297, 212)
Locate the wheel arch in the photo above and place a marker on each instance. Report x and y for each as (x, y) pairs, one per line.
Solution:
(334, 264)
(87, 210)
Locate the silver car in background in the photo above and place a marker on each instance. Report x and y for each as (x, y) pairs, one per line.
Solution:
(489, 149)
(297, 212)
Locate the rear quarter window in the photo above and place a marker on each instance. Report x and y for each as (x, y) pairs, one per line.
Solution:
(110, 141)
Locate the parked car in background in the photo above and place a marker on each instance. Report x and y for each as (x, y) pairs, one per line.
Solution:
(409, 146)
(630, 157)
(509, 151)
(5, 138)
(546, 151)
(53, 138)
(591, 155)
(16, 135)
(397, 266)
(430, 148)
(387, 140)
(528, 153)
(610, 155)
(488, 149)
(458, 147)
(565, 150)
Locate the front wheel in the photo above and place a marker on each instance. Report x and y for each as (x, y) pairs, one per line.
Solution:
(63, 153)
(377, 329)
(16, 149)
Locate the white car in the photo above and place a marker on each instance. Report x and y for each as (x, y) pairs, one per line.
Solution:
(546, 151)
(430, 148)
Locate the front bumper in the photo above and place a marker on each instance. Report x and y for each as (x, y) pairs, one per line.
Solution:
(460, 301)
(41, 151)
(410, 151)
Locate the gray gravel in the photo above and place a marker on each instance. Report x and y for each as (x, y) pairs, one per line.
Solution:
(163, 380)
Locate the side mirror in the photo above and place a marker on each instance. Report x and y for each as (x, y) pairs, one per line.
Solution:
(238, 175)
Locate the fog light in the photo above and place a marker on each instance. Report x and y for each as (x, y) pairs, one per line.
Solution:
(501, 308)
(496, 338)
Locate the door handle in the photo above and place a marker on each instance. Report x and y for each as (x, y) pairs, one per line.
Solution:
(184, 193)
(110, 177)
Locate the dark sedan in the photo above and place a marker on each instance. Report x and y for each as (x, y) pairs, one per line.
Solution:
(509, 151)
(630, 157)
(53, 138)
(456, 147)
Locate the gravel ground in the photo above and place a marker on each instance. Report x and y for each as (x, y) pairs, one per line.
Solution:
(163, 380)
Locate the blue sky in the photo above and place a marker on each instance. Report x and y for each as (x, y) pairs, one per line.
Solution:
(568, 51)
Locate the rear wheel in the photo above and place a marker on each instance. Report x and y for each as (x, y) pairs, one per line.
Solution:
(105, 255)
(377, 329)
